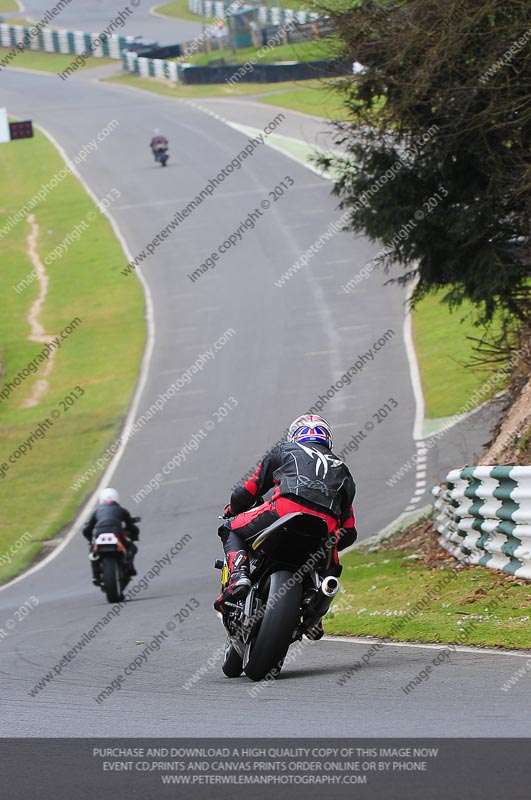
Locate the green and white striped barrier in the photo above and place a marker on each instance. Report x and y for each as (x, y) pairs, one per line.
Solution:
(157, 68)
(60, 41)
(483, 515)
(215, 8)
(266, 15)
(151, 67)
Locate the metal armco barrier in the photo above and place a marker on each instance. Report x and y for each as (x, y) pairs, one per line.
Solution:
(66, 42)
(261, 73)
(484, 515)
(167, 51)
(266, 73)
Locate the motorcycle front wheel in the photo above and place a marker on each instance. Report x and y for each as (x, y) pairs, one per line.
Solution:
(274, 632)
(232, 665)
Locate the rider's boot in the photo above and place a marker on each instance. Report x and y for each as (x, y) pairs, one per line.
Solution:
(239, 578)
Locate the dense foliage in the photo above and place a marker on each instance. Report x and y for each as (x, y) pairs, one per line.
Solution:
(445, 90)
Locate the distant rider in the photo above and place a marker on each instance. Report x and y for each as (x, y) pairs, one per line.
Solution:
(157, 141)
(111, 517)
(307, 477)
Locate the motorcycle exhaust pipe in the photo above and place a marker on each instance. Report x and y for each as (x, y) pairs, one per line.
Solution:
(330, 586)
(322, 600)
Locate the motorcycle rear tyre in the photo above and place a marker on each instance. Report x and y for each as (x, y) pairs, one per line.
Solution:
(275, 633)
(112, 580)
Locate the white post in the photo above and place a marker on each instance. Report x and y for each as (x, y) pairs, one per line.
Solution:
(4, 126)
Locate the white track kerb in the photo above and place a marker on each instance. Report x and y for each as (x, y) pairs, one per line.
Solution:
(420, 408)
(142, 378)
(428, 646)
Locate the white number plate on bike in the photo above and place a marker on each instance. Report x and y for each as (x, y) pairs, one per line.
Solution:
(107, 538)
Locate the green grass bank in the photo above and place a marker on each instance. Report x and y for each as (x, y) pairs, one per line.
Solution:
(101, 354)
(410, 590)
(444, 352)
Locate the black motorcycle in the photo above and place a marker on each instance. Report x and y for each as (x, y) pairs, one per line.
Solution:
(110, 563)
(288, 595)
(161, 154)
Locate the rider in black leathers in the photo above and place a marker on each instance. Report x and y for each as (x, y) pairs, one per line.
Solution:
(307, 476)
(157, 141)
(111, 517)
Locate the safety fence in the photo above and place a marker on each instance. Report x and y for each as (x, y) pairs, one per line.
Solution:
(261, 73)
(266, 14)
(100, 45)
(151, 67)
(483, 515)
(21, 37)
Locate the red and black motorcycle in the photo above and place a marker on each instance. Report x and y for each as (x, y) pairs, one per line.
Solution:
(292, 588)
(111, 563)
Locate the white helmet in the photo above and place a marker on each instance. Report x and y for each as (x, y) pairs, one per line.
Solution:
(157, 131)
(109, 496)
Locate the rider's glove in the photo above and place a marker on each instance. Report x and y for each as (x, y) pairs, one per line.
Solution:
(228, 512)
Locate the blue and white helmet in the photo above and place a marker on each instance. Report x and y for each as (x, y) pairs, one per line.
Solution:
(311, 428)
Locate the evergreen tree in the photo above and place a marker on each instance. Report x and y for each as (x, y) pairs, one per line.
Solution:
(443, 104)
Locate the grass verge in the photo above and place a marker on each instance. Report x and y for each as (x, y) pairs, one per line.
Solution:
(443, 352)
(316, 98)
(84, 283)
(308, 97)
(49, 62)
(8, 5)
(469, 606)
(179, 10)
(180, 90)
(302, 51)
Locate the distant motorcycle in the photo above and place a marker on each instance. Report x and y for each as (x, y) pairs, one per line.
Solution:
(111, 563)
(287, 599)
(161, 154)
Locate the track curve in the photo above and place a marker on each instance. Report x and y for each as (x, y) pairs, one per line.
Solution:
(290, 345)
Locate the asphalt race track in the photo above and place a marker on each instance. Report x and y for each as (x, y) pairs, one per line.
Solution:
(94, 16)
(289, 346)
